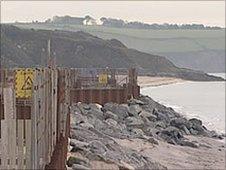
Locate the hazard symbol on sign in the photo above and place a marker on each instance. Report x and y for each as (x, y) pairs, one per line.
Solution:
(24, 83)
(27, 84)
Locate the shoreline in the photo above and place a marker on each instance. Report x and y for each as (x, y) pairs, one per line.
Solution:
(148, 81)
(100, 145)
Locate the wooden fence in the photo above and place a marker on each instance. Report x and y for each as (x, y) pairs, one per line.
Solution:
(32, 127)
(34, 111)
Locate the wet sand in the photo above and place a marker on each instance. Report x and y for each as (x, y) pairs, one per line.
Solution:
(147, 81)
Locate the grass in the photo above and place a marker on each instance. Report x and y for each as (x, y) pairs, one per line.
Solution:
(152, 41)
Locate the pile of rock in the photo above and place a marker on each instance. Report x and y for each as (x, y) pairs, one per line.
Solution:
(94, 128)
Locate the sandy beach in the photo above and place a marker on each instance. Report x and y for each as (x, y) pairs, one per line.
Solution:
(209, 155)
(147, 81)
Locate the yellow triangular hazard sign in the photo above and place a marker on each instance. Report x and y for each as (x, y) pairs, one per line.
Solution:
(27, 84)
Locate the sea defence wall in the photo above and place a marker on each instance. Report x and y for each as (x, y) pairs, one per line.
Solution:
(104, 85)
(35, 110)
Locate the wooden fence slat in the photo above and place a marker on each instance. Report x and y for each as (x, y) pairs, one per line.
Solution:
(20, 138)
(4, 145)
(8, 130)
(28, 144)
(42, 120)
(33, 123)
(54, 95)
(11, 125)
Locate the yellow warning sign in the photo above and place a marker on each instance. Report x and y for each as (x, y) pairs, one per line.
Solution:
(24, 82)
(103, 78)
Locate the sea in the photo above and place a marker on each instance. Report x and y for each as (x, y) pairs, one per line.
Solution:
(202, 100)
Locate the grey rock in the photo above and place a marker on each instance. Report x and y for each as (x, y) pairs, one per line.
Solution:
(79, 118)
(122, 111)
(86, 106)
(188, 143)
(153, 140)
(82, 108)
(195, 121)
(204, 145)
(180, 122)
(132, 121)
(97, 147)
(160, 124)
(79, 167)
(137, 131)
(135, 101)
(109, 107)
(148, 115)
(74, 142)
(111, 122)
(149, 131)
(97, 113)
(214, 134)
(186, 131)
(94, 106)
(74, 160)
(163, 116)
(86, 125)
(109, 114)
(134, 110)
(193, 131)
(171, 135)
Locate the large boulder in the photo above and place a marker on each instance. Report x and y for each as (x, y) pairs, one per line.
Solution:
(120, 110)
(135, 102)
(97, 113)
(188, 143)
(78, 119)
(86, 125)
(80, 167)
(111, 122)
(97, 147)
(160, 124)
(195, 121)
(77, 145)
(161, 115)
(108, 114)
(214, 134)
(134, 110)
(148, 115)
(135, 122)
(109, 107)
(83, 107)
(197, 128)
(94, 106)
(75, 160)
(171, 135)
(182, 124)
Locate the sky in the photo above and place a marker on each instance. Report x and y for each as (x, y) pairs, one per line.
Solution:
(210, 13)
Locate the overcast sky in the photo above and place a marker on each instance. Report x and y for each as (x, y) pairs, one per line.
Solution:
(204, 12)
